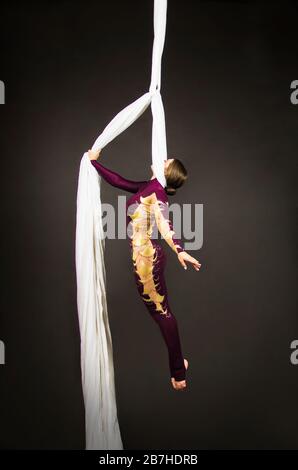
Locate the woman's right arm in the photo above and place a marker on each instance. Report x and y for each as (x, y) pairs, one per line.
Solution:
(115, 179)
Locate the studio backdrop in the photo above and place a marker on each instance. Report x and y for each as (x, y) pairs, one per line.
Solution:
(228, 86)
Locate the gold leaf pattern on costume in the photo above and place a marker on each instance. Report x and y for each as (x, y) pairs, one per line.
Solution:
(144, 253)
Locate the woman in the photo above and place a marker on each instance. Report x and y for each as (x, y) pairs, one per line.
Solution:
(147, 205)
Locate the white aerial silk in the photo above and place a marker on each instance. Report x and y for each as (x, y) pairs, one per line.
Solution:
(102, 427)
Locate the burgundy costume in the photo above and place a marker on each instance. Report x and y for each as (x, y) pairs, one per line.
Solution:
(146, 207)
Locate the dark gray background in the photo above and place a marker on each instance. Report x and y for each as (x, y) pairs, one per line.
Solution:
(226, 71)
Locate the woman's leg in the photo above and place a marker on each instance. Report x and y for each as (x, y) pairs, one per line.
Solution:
(153, 290)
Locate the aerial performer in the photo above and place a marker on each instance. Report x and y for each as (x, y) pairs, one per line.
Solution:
(146, 207)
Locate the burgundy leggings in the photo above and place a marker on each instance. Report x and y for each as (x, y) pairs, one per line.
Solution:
(167, 323)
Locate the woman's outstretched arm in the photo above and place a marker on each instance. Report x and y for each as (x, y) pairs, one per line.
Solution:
(112, 177)
(165, 226)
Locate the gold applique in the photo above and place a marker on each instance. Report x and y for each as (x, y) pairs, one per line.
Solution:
(144, 253)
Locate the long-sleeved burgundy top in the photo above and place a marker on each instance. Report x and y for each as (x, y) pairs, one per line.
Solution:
(149, 198)
(147, 205)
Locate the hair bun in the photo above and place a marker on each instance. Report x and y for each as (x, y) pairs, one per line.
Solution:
(170, 191)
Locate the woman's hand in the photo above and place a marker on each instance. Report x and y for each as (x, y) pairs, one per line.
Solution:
(183, 256)
(94, 154)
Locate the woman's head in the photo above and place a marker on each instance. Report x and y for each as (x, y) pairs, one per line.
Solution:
(176, 175)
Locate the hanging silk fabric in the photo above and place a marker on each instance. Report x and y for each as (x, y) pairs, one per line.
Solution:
(101, 421)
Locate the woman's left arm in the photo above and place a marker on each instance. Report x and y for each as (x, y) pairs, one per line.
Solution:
(113, 178)
(164, 223)
(165, 226)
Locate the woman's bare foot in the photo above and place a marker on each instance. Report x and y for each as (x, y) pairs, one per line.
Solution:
(181, 384)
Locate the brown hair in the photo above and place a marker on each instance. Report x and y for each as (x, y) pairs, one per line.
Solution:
(176, 175)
